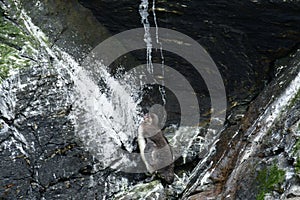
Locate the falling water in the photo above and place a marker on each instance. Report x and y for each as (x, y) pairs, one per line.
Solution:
(106, 112)
(161, 87)
(143, 10)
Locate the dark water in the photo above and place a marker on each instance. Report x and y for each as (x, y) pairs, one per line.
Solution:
(243, 38)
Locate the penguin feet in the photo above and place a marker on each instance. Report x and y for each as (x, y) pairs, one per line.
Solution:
(149, 179)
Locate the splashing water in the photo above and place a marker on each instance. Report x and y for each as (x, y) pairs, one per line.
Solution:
(106, 112)
(107, 121)
(106, 115)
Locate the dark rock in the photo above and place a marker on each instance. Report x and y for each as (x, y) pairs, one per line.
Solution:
(67, 24)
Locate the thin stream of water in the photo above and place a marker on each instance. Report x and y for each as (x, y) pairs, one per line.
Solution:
(143, 10)
(161, 87)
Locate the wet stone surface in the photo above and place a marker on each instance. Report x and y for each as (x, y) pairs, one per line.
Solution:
(41, 157)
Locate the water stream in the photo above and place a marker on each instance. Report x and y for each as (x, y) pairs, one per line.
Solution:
(143, 10)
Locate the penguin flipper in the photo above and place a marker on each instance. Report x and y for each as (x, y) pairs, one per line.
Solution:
(165, 165)
(149, 156)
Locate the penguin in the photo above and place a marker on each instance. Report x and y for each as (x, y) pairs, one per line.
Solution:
(155, 151)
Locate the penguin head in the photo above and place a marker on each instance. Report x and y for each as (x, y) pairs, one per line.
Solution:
(151, 119)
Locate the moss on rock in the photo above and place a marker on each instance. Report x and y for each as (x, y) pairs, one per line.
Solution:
(296, 147)
(294, 100)
(16, 44)
(141, 191)
(297, 165)
(268, 179)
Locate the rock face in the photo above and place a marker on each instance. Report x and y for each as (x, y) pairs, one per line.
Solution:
(62, 21)
(258, 153)
(272, 166)
(40, 156)
(38, 151)
(261, 157)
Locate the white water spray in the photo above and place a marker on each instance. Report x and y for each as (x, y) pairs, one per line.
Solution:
(106, 114)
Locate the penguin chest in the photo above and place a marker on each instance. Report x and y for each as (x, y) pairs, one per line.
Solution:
(142, 146)
(147, 150)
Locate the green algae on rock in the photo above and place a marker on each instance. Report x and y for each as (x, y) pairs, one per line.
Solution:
(142, 191)
(18, 46)
(297, 165)
(294, 100)
(268, 179)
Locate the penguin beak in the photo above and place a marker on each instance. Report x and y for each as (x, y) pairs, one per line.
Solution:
(147, 116)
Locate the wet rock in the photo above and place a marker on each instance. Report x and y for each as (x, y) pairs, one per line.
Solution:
(294, 191)
(209, 192)
(273, 148)
(67, 24)
(41, 158)
(152, 190)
